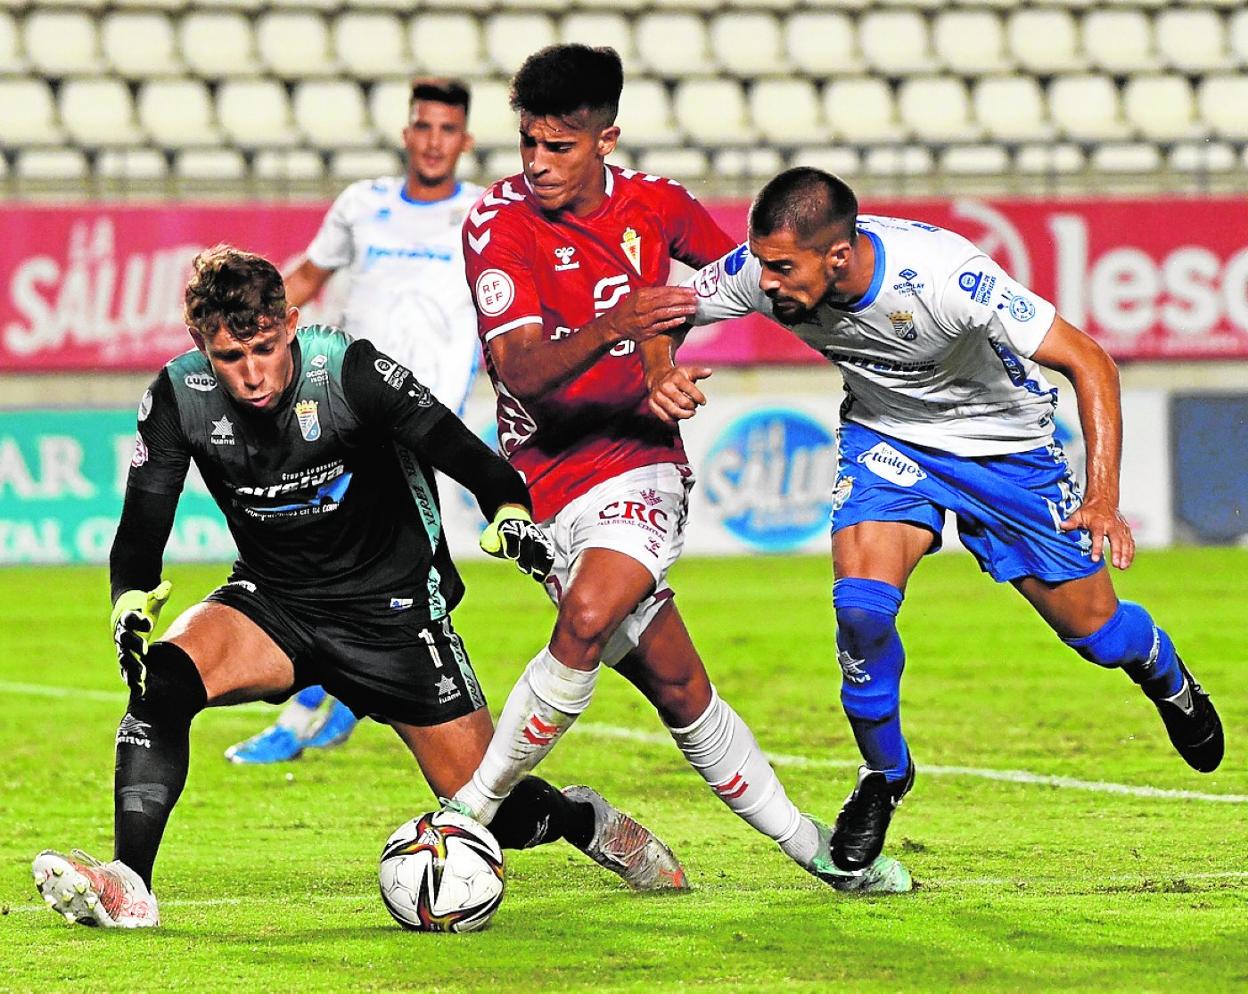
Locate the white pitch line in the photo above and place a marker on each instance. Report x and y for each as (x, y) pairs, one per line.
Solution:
(777, 759)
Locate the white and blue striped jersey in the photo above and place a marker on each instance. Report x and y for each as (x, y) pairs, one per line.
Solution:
(407, 292)
(935, 353)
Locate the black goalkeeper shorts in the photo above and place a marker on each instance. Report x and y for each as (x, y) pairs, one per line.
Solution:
(397, 666)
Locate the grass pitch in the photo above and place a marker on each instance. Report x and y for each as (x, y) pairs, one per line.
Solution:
(267, 878)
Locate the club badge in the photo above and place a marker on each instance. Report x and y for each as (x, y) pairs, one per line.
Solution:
(309, 420)
(630, 242)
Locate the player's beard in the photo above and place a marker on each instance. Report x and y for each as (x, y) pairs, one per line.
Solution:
(789, 312)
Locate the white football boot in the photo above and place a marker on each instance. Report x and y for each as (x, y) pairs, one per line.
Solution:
(627, 847)
(89, 892)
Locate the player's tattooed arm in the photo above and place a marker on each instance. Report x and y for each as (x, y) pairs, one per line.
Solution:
(1094, 376)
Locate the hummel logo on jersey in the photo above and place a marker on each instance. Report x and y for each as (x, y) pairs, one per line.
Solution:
(564, 254)
(540, 733)
(853, 668)
(133, 732)
(222, 432)
(732, 788)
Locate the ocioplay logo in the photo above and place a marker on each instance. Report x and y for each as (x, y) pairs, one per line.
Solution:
(769, 478)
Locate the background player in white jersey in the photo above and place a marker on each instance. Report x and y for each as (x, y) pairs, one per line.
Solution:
(399, 239)
(945, 410)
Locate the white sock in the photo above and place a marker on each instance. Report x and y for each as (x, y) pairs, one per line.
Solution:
(721, 747)
(540, 708)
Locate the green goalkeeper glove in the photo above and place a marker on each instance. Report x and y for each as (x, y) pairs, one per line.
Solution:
(133, 621)
(512, 535)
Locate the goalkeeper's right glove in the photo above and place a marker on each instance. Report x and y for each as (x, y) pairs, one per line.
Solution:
(133, 621)
(512, 535)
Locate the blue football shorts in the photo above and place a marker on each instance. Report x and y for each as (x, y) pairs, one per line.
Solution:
(1007, 507)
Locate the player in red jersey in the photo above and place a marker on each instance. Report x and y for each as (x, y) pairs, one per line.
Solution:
(567, 262)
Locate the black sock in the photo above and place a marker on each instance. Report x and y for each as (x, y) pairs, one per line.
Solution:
(535, 813)
(153, 752)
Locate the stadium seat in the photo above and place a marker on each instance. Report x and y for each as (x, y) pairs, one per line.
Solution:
(712, 112)
(242, 5)
(624, 6)
(645, 117)
(324, 5)
(63, 164)
(140, 43)
(970, 42)
(1044, 40)
(1223, 104)
(364, 163)
(822, 43)
(490, 118)
(1011, 109)
(61, 43)
(1237, 37)
(755, 163)
(1191, 40)
(701, 6)
(600, 28)
(685, 165)
(388, 103)
(331, 114)
(498, 163)
(861, 111)
(840, 160)
(936, 109)
(1203, 157)
(447, 43)
(622, 160)
(1059, 159)
(895, 42)
(29, 118)
(97, 111)
(255, 113)
(295, 164)
(12, 62)
(1125, 157)
(672, 44)
(178, 113)
(141, 165)
(1086, 108)
(975, 160)
(786, 111)
(210, 165)
(1118, 41)
(747, 43)
(1161, 108)
(511, 38)
(170, 5)
(371, 44)
(218, 44)
(901, 160)
(294, 44)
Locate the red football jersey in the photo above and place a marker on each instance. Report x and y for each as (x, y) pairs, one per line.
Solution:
(529, 267)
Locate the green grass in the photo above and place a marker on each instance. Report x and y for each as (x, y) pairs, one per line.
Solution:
(267, 875)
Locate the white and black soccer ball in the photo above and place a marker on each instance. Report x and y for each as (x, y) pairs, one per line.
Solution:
(442, 872)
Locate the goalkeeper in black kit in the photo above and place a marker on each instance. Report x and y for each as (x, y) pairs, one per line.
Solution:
(320, 452)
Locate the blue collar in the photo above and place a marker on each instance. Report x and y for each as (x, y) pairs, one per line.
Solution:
(877, 277)
(426, 203)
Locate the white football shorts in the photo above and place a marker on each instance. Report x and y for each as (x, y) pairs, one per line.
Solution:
(641, 513)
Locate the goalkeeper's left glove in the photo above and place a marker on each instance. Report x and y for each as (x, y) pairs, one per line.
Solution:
(133, 621)
(512, 535)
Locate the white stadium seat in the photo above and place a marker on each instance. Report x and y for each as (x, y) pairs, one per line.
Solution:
(1044, 40)
(294, 44)
(499, 163)
(672, 44)
(446, 43)
(389, 103)
(255, 113)
(822, 43)
(895, 42)
(1118, 41)
(98, 111)
(970, 41)
(975, 160)
(134, 164)
(61, 164)
(178, 113)
(1126, 157)
(140, 43)
(1203, 157)
(713, 112)
(645, 117)
(170, 5)
(735, 163)
(490, 118)
(511, 38)
(217, 44)
(1011, 109)
(1086, 108)
(937, 109)
(210, 165)
(786, 111)
(600, 28)
(902, 160)
(29, 116)
(685, 165)
(12, 62)
(840, 160)
(1050, 159)
(61, 42)
(364, 163)
(371, 44)
(1237, 37)
(861, 111)
(1161, 108)
(1223, 104)
(288, 165)
(331, 114)
(1191, 40)
(747, 43)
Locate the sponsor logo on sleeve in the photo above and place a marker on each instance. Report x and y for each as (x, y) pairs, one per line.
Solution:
(390, 371)
(202, 382)
(145, 405)
(1021, 308)
(735, 261)
(494, 291)
(977, 286)
(140, 451)
(707, 281)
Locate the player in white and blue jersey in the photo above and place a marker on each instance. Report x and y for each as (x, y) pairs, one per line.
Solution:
(399, 239)
(946, 411)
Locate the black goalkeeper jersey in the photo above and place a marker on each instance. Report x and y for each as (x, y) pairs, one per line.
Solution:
(327, 495)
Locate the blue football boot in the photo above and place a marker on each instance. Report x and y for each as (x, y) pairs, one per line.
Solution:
(276, 744)
(337, 727)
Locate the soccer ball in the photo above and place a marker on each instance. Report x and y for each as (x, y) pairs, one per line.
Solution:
(442, 872)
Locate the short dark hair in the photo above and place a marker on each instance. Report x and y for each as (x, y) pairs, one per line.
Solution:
(238, 289)
(560, 80)
(441, 90)
(805, 201)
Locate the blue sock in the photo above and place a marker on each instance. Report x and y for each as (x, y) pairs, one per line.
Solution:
(310, 697)
(1132, 642)
(872, 658)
